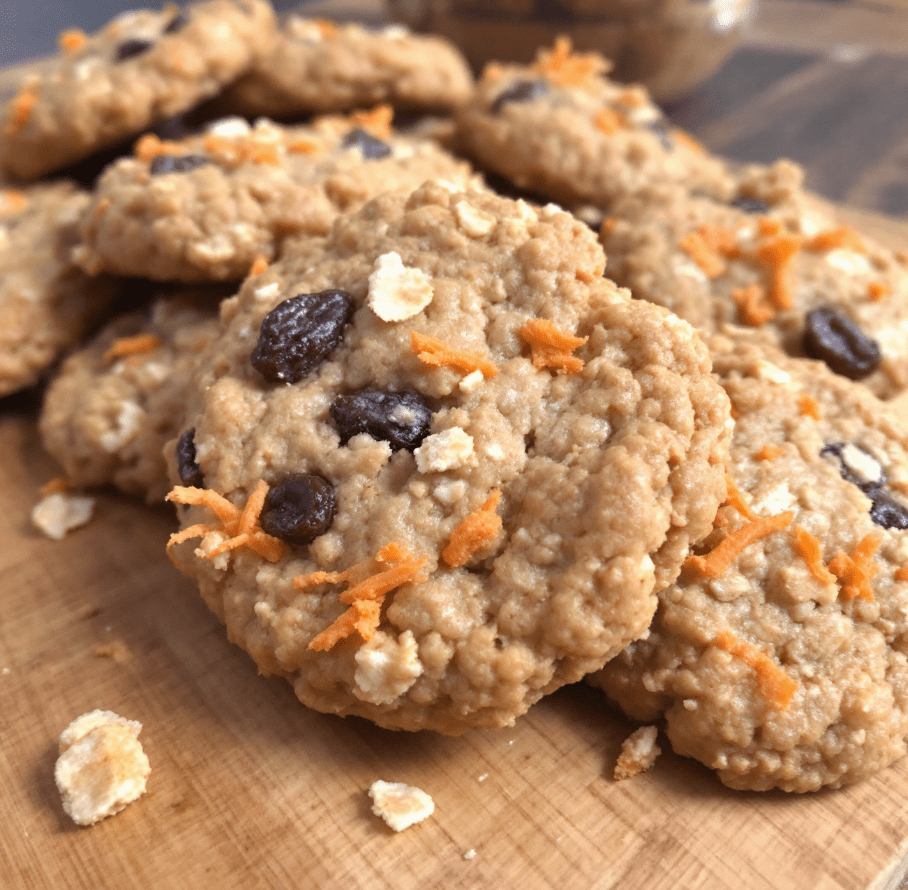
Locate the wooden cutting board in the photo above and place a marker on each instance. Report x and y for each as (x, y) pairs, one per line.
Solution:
(249, 789)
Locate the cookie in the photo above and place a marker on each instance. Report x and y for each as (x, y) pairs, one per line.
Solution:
(778, 658)
(114, 404)
(143, 67)
(560, 128)
(445, 462)
(207, 207)
(775, 259)
(46, 303)
(315, 65)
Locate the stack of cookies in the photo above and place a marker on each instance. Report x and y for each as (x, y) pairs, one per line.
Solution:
(432, 458)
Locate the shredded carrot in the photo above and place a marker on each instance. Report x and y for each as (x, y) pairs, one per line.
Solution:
(735, 499)
(551, 347)
(562, 66)
(877, 290)
(777, 252)
(608, 224)
(377, 121)
(54, 486)
(12, 201)
(901, 574)
(72, 40)
(148, 147)
(20, 112)
(809, 407)
(492, 72)
(259, 264)
(834, 239)
(263, 153)
(696, 247)
(326, 28)
(632, 97)
(136, 345)
(437, 353)
(809, 549)
(685, 138)
(610, 121)
(716, 562)
(768, 452)
(475, 532)
(370, 582)
(303, 145)
(854, 570)
(773, 683)
(752, 305)
(768, 227)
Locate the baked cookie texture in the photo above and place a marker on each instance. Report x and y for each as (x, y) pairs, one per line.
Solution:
(207, 207)
(778, 658)
(774, 259)
(141, 68)
(562, 129)
(47, 304)
(314, 65)
(488, 454)
(116, 402)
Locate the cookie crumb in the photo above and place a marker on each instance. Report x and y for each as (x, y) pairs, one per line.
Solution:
(400, 805)
(396, 291)
(638, 753)
(470, 854)
(59, 513)
(116, 650)
(101, 767)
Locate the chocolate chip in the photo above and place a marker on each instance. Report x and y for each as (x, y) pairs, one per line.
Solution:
(751, 205)
(177, 23)
(132, 47)
(190, 472)
(299, 508)
(888, 512)
(162, 164)
(521, 91)
(400, 418)
(833, 337)
(298, 334)
(370, 148)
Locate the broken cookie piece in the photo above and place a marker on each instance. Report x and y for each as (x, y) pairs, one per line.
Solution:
(400, 805)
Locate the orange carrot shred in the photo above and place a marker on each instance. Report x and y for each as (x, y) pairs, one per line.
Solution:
(716, 562)
(551, 347)
(303, 145)
(562, 66)
(72, 40)
(610, 121)
(834, 239)
(773, 683)
(608, 224)
(259, 264)
(768, 452)
(777, 253)
(735, 499)
(12, 201)
(686, 139)
(136, 345)
(752, 305)
(877, 290)
(149, 146)
(696, 246)
(363, 617)
(475, 532)
(54, 486)
(20, 112)
(854, 570)
(377, 121)
(326, 28)
(809, 407)
(767, 227)
(809, 549)
(437, 353)
(901, 574)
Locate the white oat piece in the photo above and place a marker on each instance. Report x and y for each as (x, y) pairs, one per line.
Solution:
(60, 512)
(101, 767)
(400, 805)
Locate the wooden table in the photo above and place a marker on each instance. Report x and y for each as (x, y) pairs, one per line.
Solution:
(249, 789)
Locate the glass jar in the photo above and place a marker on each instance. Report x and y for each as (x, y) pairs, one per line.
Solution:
(670, 46)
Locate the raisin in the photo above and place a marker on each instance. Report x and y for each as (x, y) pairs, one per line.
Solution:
(400, 418)
(887, 512)
(370, 148)
(190, 471)
(833, 337)
(662, 130)
(132, 47)
(298, 334)
(299, 509)
(177, 23)
(521, 91)
(176, 164)
(751, 205)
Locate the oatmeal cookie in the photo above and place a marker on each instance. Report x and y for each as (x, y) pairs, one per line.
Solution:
(207, 207)
(46, 303)
(445, 462)
(778, 658)
(143, 67)
(317, 66)
(562, 129)
(774, 258)
(115, 403)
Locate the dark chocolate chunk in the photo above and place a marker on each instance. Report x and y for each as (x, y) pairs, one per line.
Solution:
(298, 334)
(833, 337)
(751, 205)
(299, 508)
(190, 472)
(888, 512)
(521, 91)
(132, 47)
(177, 23)
(162, 164)
(400, 418)
(370, 148)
